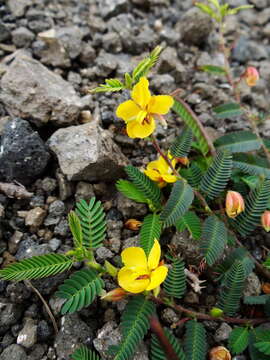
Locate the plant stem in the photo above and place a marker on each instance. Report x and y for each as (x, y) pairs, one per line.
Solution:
(160, 334)
(194, 314)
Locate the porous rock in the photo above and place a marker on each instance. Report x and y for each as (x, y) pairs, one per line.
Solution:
(13, 352)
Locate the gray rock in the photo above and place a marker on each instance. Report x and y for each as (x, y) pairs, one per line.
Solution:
(56, 210)
(112, 42)
(18, 8)
(195, 27)
(13, 352)
(87, 152)
(191, 297)
(23, 155)
(246, 50)
(48, 184)
(54, 244)
(132, 241)
(110, 8)
(106, 63)
(28, 335)
(28, 248)
(62, 228)
(9, 313)
(129, 208)
(163, 84)
(222, 333)
(35, 217)
(84, 191)
(71, 39)
(260, 4)
(103, 253)
(169, 316)
(187, 247)
(22, 37)
(146, 39)
(108, 335)
(88, 54)
(41, 95)
(44, 331)
(253, 285)
(65, 187)
(4, 32)
(72, 334)
(18, 292)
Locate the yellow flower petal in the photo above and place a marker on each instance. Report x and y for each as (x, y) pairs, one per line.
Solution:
(134, 257)
(169, 178)
(141, 94)
(154, 256)
(160, 104)
(141, 116)
(157, 277)
(127, 281)
(128, 110)
(152, 174)
(137, 130)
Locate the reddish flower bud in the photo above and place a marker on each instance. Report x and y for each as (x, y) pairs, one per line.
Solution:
(114, 295)
(219, 353)
(234, 204)
(133, 224)
(266, 288)
(265, 220)
(251, 76)
(183, 160)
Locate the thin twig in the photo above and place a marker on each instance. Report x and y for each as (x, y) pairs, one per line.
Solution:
(49, 312)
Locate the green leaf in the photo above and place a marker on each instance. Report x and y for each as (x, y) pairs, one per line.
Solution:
(192, 223)
(238, 340)
(228, 110)
(215, 70)
(266, 263)
(236, 10)
(252, 181)
(80, 290)
(188, 116)
(215, 3)
(83, 353)
(36, 267)
(250, 164)
(192, 174)
(175, 283)
(256, 300)
(134, 325)
(128, 81)
(267, 307)
(178, 203)
(207, 10)
(264, 346)
(146, 64)
(93, 222)
(76, 229)
(129, 190)
(147, 187)
(195, 344)
(150, 230)
(182, 144)
(214, 239)
(238, 141)
(257, 335)
(111, 85)
(215, 180)
(157, 352)
(229, 300)
(256, 203)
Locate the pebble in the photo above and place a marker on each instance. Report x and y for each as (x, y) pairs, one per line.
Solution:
(35, 217)
(22, 37)
(253, 285)
(223, 332)
(13, 352)
(28, 335)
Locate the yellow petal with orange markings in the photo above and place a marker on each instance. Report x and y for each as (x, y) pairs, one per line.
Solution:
(160, 104)
(137, 130)
(157, 277)
(154, 256)
(169, 178)
(129, 281)
(141, 116)
(152, 174)
(128, 110)
(140, 93)
(134, 257)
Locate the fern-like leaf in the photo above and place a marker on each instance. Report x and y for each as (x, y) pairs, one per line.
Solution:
(195, 341)
(238, 141)
(238, 340)
(256, 336)
(231, 293)
(93, 222)
(256, 204)
(264, 345)
(178, 203)
(76, 229)
(147, 187)
(214, 239)
(193, 175)
(83, 353)
(192, 223)
(182, 144)
(251, 164)
(36, 267)
(256, 300)
(157, 352)
(134, 325)
(111, 85)
(150, 230)
(80, 290)
(146, 64)
(217, 176)
(187, 115)
(267, 263)
(175, 283)
(130, 191)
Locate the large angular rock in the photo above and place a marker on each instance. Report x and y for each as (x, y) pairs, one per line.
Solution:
(87, 152)
(23, 155)
(30, 90)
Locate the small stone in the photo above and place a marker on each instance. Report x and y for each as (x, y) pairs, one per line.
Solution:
(110, 8)
(35, 217)
(223, 332)
(9, 313)
(4, 32)
(18, 8)
(169, 316)
(108, 335)
(187, 247)
(54, 244)
(260, 4)
(62, 228)
(103, 253)
(106, 63)
(13, 352)
(48, 184)
(253, 285)
(129, 208)
(18, 292)
(191, 298)
(88, 54)
(84, 191)
(112, 42)
(22, 37)
(163, 83)
(14, 242)
(65, 187)
(28, 335)
(44, 331)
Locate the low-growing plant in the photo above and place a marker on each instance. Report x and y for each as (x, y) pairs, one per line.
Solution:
(217, 191)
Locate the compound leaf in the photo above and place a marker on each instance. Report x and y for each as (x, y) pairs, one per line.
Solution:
(150, 230)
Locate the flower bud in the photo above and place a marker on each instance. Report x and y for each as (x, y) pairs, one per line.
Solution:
(266, 288)
(183, 160)
(114, 295)
(234, 204)
(265, 220)
(219, 353)
(251, 76)
(216, 312)
(133, 224)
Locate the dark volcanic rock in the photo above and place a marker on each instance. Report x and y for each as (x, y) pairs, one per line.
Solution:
(23, 155)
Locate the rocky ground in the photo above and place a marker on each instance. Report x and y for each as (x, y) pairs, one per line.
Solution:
(64, 144)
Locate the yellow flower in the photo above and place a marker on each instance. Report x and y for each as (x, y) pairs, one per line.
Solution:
(140, 273)
(160, 171)
(235, 203)
(139, 112)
